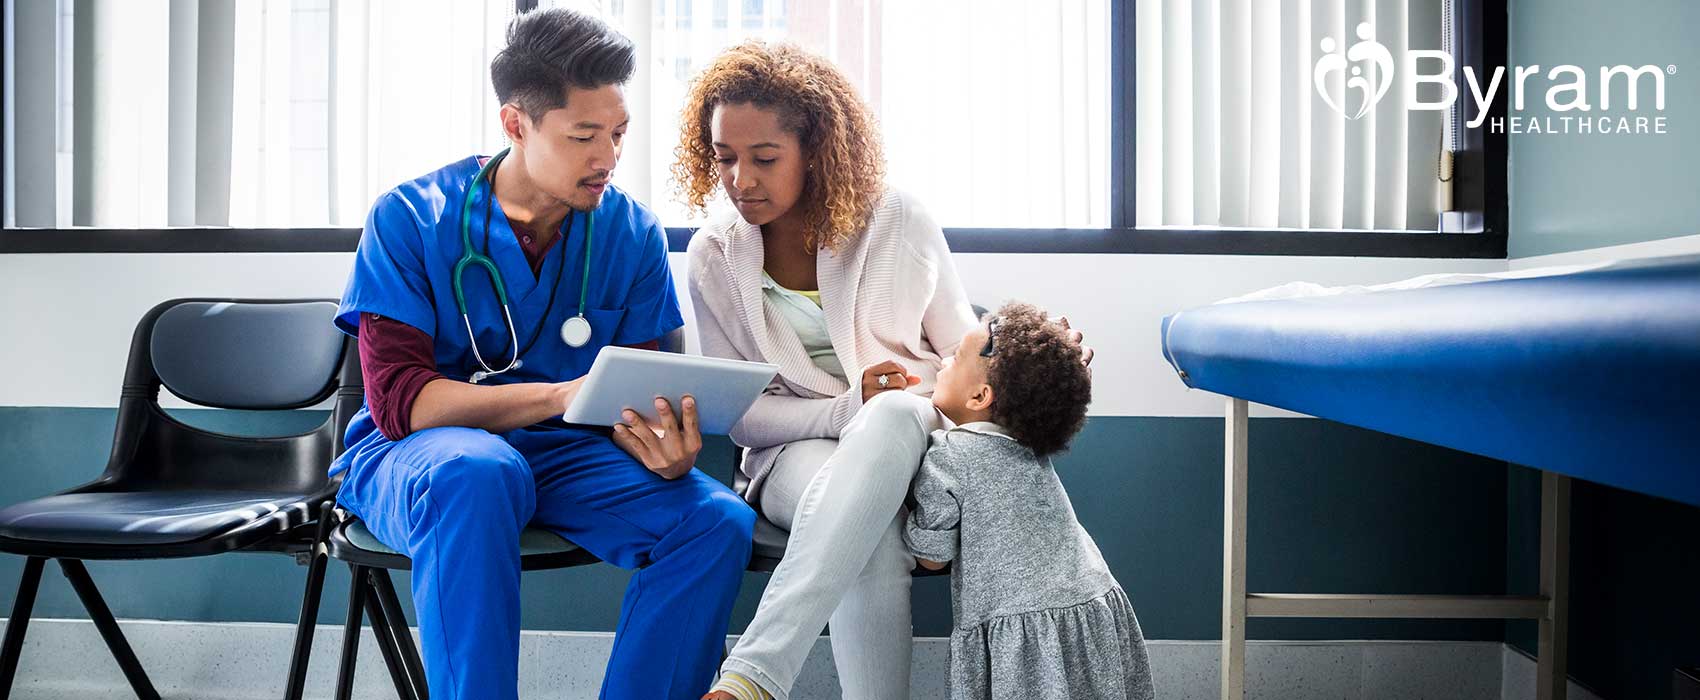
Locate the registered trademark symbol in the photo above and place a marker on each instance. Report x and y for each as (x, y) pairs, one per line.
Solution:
(1671, 69)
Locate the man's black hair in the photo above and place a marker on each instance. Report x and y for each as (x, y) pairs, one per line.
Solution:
(550, 51)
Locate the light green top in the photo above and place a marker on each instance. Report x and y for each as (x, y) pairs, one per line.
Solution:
(803, 311)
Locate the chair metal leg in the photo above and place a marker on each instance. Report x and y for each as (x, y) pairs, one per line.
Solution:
(387, 645)
(351, 632)
(102, 617)
(391, 605)
(310, 597)
(22, 607)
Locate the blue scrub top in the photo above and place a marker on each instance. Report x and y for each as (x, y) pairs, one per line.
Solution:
(404, 270)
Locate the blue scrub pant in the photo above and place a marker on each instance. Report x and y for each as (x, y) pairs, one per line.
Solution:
(455, 500)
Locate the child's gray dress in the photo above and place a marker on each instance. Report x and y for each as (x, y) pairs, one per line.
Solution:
(1038, 614)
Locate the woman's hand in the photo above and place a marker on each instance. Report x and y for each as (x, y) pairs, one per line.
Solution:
(896, 377)
(1075, 336)
(668, 448)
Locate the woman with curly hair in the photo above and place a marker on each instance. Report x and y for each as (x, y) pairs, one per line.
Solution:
(849, 287)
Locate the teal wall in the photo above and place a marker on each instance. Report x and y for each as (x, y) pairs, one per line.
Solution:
(1573, 192)
(1333, 508)
(1635, 559)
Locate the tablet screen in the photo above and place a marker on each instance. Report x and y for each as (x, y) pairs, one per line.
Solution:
(622, 378)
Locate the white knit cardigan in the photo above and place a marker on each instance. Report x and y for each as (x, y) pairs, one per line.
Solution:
(891, 294)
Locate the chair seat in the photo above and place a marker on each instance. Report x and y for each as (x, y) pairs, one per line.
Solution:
(538, 549)
(769, 541)
(532, 540)
(148, 517)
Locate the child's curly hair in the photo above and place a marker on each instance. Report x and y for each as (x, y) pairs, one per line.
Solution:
(816, 102)
(1040, 388)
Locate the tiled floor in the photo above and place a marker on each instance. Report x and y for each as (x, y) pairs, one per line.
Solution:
(65, 660)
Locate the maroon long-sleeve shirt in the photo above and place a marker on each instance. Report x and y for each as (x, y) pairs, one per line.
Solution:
(398, 360)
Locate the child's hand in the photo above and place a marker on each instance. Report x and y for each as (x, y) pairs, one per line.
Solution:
(931, 565)
(1076, 337)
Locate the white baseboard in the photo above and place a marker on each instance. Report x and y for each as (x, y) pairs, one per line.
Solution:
(237, 661)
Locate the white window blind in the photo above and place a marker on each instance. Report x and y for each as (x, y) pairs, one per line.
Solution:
(253, 113)
(337, 102)
(298, 113)
(1232, 133)
(995, 113)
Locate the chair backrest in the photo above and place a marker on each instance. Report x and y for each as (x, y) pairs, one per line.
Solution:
(674, 341)
(259, 354)
(246, 355)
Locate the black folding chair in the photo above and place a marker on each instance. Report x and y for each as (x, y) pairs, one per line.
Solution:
(372, 596)
(171, 490)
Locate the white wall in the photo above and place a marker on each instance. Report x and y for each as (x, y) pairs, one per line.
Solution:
(67, 319)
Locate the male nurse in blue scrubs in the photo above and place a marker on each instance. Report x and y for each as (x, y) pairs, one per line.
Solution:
(459, 447)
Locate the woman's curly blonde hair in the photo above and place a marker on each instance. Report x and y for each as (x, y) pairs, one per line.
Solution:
(816, 102)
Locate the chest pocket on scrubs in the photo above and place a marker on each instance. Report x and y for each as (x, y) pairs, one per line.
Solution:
(604, 326)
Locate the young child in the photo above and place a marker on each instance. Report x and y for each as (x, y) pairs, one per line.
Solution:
(1038, 614)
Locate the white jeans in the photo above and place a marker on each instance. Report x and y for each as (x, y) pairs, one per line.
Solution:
(842, 501)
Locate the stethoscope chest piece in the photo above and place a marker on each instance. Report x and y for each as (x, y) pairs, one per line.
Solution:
(576, 331)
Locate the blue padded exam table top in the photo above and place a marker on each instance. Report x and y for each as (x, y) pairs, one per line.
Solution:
(1593, 374)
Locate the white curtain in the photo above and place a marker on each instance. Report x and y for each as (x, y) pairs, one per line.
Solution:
(674, 40)
(249, 113)
(336, 101)
(1231, 132)
(298, 113)
(120, 82)
(995, 113)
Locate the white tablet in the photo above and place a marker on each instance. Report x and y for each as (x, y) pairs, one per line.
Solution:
(622, 378)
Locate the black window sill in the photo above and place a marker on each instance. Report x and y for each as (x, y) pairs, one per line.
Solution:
(962, 240)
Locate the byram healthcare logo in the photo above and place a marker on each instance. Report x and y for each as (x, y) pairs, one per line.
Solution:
(1370, 68)
(1374, 84)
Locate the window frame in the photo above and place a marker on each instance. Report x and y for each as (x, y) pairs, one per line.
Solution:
(1119, 238)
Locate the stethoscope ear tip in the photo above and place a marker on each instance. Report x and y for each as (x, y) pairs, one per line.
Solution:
(482, 375)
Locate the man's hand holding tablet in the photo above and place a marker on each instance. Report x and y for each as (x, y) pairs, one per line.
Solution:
(629, 390)
(668, 447)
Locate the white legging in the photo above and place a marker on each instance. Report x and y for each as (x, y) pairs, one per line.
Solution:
(842, 501)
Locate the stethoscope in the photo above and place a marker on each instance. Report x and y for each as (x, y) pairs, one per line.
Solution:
(575, 331)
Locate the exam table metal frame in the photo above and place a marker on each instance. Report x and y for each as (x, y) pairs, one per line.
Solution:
(1586, 372)
(1549, 608)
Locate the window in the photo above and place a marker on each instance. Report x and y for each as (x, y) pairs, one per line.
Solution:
(273, 113)
(1234, 129)
(1114, 125)
(995, 114)
(298, 113)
